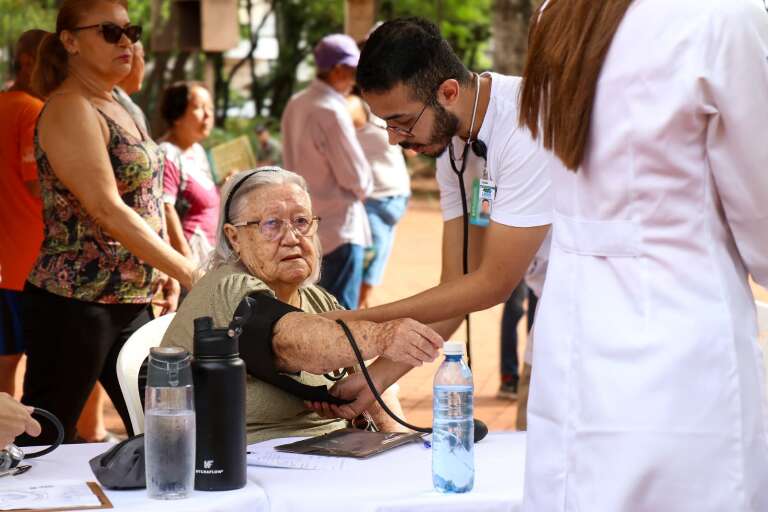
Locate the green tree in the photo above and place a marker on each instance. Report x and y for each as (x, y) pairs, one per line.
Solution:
(464, 23)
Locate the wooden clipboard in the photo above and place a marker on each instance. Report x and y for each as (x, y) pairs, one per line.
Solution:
(95, 489)
(350, 442)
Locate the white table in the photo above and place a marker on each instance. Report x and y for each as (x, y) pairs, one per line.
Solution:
(398, 480)
(70, 462)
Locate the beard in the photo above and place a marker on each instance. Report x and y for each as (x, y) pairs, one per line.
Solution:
(444, 127)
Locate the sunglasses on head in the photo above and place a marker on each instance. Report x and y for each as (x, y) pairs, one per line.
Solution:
(112, 33)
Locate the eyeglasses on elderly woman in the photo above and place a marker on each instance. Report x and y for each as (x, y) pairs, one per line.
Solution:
(273, 229)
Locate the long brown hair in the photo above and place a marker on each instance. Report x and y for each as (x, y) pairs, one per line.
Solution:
(52, 64)
(567, 44)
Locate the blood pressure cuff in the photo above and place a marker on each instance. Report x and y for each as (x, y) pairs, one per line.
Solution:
(255, 318)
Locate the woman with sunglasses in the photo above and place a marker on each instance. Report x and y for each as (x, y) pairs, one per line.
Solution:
(100, 178)
(268, 251)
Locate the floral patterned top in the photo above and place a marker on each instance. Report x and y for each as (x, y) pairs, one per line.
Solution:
(78, 259)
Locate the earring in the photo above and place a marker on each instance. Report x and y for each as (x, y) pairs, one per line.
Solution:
(237, 258)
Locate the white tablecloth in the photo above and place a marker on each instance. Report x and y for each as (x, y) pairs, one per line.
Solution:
(70, 462)
(398, 480)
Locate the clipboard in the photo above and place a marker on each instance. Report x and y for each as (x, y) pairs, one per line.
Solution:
(350, 442)
(95, 489)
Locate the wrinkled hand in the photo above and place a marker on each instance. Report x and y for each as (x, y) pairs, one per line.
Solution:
(353, 388)
(15, 419)
(408, 341)
(171, 291)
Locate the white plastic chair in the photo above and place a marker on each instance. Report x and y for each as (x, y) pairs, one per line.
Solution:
(133, 353)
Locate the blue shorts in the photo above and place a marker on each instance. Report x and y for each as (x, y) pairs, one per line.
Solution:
(11, 338)
(383, 214)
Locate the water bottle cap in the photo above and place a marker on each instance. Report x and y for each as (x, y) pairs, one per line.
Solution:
(169, 367)
(214, 343)
(453, 348)
(168, 354)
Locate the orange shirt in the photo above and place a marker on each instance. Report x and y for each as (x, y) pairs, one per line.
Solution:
(21, 218)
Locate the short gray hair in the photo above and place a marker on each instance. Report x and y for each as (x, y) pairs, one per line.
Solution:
(252, 180)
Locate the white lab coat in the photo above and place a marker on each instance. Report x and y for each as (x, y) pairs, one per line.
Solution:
(646, 392)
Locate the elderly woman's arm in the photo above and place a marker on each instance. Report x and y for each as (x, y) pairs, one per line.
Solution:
(318, 345)
(74, 139)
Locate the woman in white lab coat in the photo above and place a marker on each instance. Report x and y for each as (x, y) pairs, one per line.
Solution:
(647, 386)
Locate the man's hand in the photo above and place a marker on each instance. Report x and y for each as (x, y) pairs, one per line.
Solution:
(407, 341)
(354, 388)
(15, 419)
(171, 291)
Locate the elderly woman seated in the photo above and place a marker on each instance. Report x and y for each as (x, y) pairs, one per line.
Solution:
(268, 250)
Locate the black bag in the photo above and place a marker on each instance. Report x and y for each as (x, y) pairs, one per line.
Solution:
(122, 466)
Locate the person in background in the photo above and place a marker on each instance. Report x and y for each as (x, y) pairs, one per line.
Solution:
(391, 189)
(21, 222)
(93, 281)
(91, 426)
(131, 84)
(648, 392)
(190, 193)
(320, 143)
(514, 309)
(268, 150)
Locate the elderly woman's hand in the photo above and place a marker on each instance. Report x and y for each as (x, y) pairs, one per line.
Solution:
(408, 341)
(353, 388)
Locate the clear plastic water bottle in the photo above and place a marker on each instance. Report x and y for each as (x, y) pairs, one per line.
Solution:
(453, 455)
(169, 424)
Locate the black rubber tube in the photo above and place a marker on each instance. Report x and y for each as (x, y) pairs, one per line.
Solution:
(481, 430)
(59, 438)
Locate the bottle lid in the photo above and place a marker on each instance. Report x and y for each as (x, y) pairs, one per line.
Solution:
(214, 343)
(453, 348)
(168, 367)
(168, 354)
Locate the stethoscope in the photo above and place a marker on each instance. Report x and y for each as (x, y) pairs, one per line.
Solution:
(480, 430)
(478, 148)
(11, 456)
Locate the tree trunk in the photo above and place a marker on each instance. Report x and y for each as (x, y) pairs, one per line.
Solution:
(152, 92)
(179, 72)
(288, 27)
(510, 34)
(359, 17)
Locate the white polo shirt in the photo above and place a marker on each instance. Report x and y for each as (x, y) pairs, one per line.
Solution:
(519, 165)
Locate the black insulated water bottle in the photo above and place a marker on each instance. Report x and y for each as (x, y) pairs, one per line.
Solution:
(219, 386)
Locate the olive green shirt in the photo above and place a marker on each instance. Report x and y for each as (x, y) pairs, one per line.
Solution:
(270, 411)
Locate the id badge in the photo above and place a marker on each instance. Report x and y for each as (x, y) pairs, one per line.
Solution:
(483, 194)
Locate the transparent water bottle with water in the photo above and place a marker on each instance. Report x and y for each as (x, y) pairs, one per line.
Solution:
(169, 424)
(453, 456)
